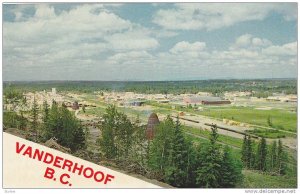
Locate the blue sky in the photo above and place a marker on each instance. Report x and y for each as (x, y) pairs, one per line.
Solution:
(149, 41)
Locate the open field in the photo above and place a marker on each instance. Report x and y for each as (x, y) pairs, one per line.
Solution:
(280, 119)
(254, 179)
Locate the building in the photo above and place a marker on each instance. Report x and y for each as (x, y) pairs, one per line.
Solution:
(133, 103)
(205, 100)
(153, 121)
(75, 106)
(220, 102)
(53, 91)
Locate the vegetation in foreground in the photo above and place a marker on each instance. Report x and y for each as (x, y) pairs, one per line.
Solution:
(169, 157)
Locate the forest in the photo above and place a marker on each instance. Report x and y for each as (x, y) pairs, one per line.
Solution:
(262, 87)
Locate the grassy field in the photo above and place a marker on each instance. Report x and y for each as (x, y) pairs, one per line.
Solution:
(254, 179)
(280, 119)
(236, 142)
(270, 133)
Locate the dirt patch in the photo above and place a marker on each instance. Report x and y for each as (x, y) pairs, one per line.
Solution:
(16, 132)
(51, 143)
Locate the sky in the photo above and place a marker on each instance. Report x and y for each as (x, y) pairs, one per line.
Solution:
(149, 41)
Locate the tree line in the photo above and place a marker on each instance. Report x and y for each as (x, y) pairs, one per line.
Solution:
(49, 122)
(272, 159)
(262, 87)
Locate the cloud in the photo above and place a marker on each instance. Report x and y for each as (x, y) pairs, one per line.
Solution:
(135, 39)
(289, 49)
(188, 47)
(90, 41)
(250, 42)
(83, 34)
(212, 16)
(130, 57)
(165, 33)
(242, 61)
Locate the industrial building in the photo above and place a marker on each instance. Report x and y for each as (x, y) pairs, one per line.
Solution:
(205, 100)
(153, 121)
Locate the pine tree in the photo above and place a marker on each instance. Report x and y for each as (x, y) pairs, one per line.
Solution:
(79, 140)
(244, 151)
(53, 126)
(261, 155)
(46, 111)
(108, 128)
(210, 160)
(231, 170)
(177, 169)
(23, 121)
(34, 117)
(273, 156)
(249, 153)
(161, 145)
(63, 125)
(281, 159)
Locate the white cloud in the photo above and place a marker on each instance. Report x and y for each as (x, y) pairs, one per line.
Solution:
(248, 41)
(188, 47)
(289, 49)
(44, 11)
(132, 40)
(80, 35)
(130, 57)
(211, 16)
(92, 42)
(165, 33)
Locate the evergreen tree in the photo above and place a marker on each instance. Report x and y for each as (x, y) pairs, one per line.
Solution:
(34, 117)
(53, 126)
(23, 121)
(247, 152)
(79, 139)
(63, 125)
(273, 156)
(261, 155)
(123, 136)
(244, 151)
(177, 170)
(281, 159)
(46, 111)
(108, 128)
(161, 145)
(210, 160)
(191, 165)
(231, 170)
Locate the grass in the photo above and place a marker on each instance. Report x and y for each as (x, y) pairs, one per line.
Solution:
(268, 133)
(254, 179)
(99, 111)
(236, 142)
(280, 119)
